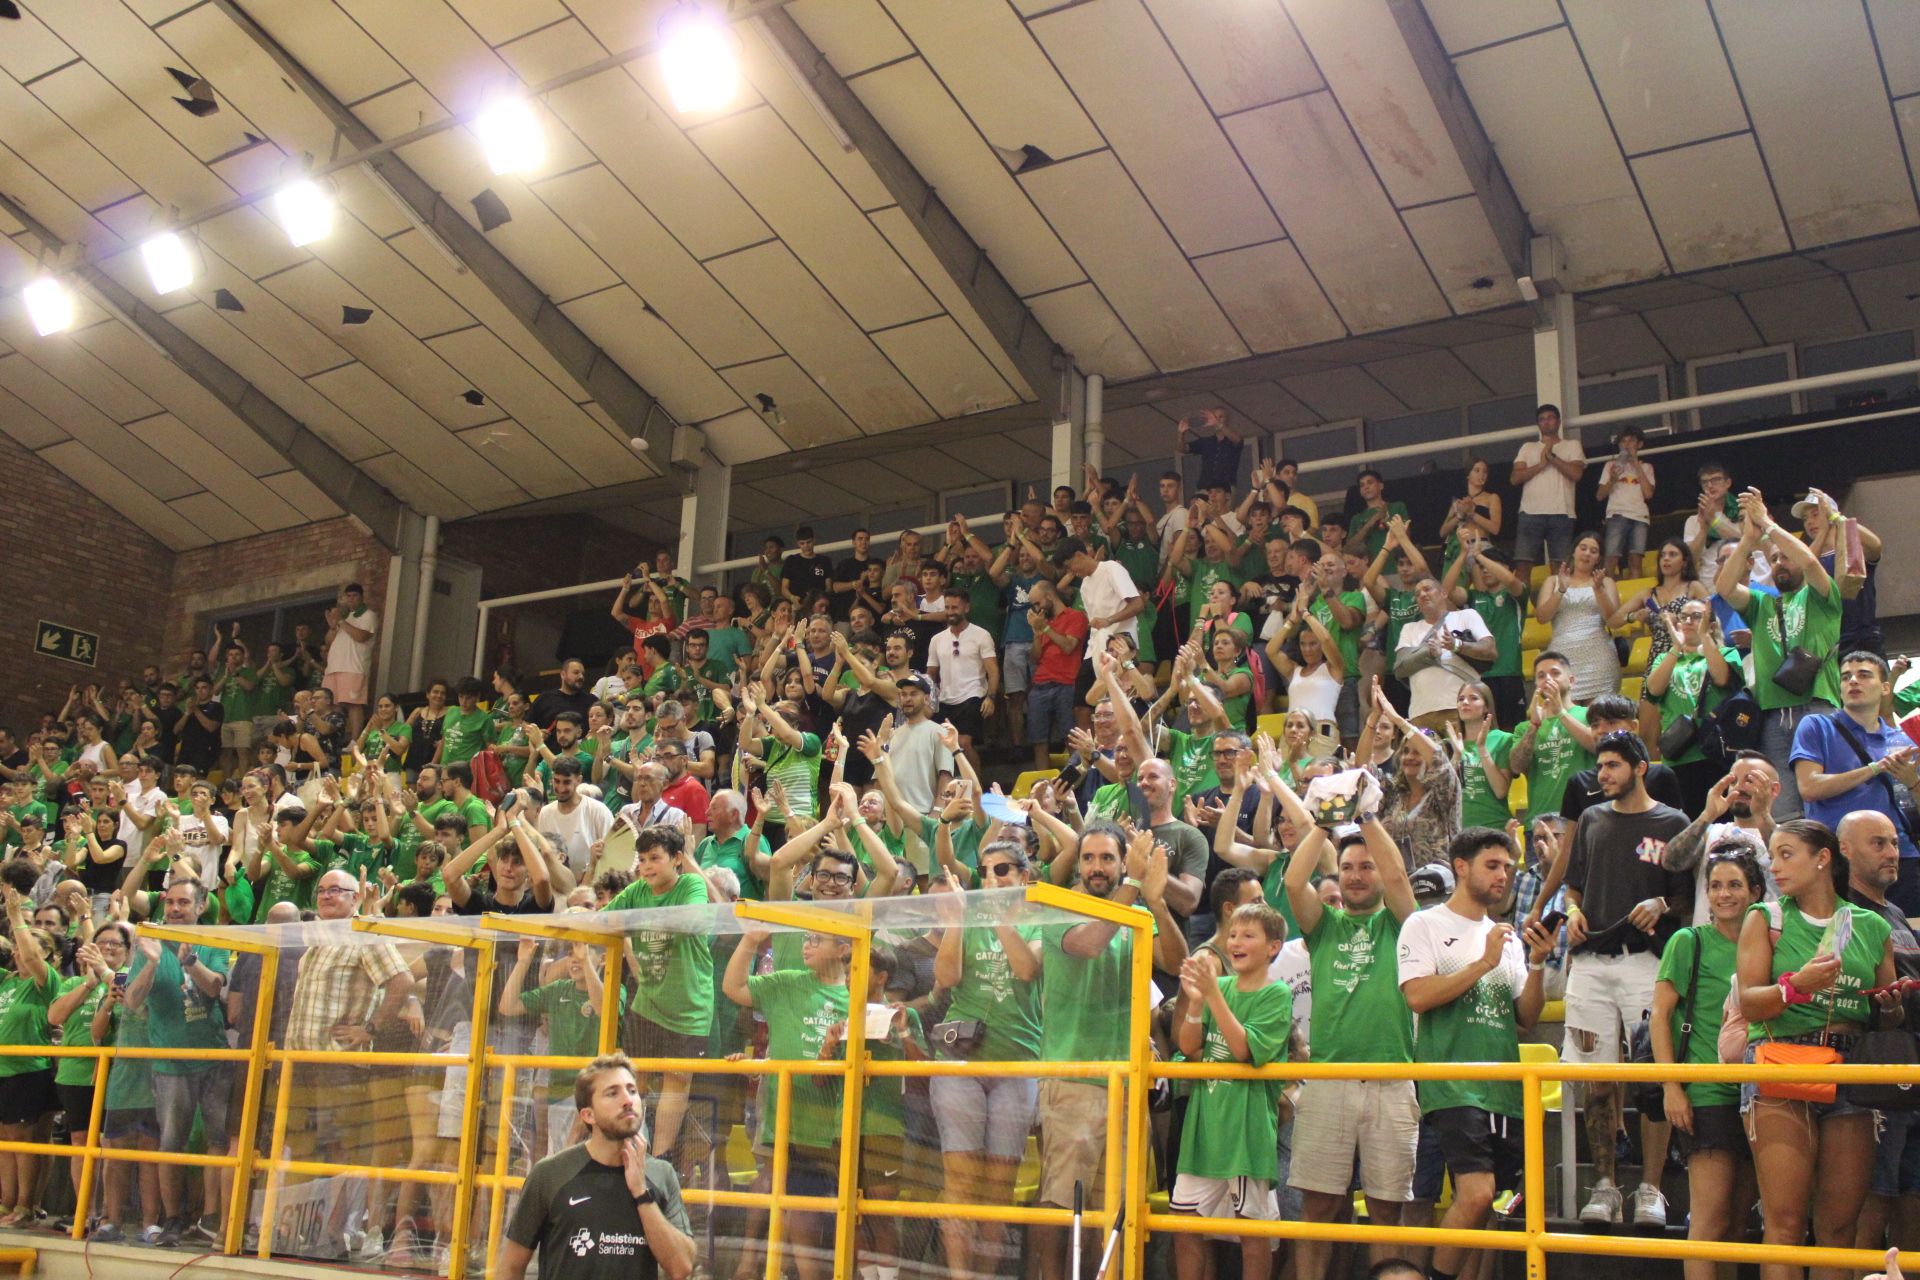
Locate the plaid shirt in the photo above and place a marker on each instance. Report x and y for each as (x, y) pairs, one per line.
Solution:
(1526, 890)
(338, 982)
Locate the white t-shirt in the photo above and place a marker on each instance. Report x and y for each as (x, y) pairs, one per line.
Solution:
(574, 834)
(350, 656)
(205, 840)
(1436, 687)
(1628, 497)
(1293, 967)
(1170, 527)
(1102, 594)
(657, 813)
(918, 758)
(145, 801)
(1549, 493)
(1439, 941)
(958, 661)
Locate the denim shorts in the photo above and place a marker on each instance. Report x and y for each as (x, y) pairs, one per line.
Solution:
(1538, 539)
(1815, 1110)
(988, 1114)
(1624, 536)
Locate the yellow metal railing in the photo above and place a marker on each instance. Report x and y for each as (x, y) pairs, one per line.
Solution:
(1127, 1082)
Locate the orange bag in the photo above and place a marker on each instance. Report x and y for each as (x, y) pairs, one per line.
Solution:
(1776, 1053)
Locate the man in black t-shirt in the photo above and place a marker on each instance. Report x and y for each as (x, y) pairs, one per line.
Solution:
(848, 573)
(803, 573)
(200, 728)
(604, 1210)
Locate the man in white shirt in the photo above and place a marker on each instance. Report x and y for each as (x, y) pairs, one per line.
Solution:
(577, 825)
(1173, 523)
(962, 661)
(1545, 471)
(141, 800)
(1436, 655)
(1108, 597)
(351, 627)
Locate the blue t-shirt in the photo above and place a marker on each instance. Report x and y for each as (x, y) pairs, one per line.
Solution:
(1731, 623)
(1018, 597)
(1819, 740)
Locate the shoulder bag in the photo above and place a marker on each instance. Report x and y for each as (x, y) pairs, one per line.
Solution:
(1649, 1097)
(1798, 668)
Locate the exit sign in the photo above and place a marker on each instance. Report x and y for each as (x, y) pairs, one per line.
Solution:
(56, 640)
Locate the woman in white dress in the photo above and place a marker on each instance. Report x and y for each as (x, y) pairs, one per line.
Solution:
(1576, 601)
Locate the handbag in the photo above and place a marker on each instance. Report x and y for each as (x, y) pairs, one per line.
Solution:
(489, 775)
(1649, 1097)
(1736, 723)
(1798, 668)
(1899, 799)
(1776, 1053)
(1680, 735)
(1894, 1047)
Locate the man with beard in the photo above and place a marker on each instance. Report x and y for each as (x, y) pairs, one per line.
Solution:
(1622, 906)
(1739, 808)
(572, 695)
(605, 1209)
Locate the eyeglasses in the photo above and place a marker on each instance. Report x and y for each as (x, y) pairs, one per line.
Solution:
(1003, 869)
(337, 889)
(832, 877)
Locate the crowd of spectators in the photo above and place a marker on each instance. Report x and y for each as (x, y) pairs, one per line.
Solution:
(1503, 767)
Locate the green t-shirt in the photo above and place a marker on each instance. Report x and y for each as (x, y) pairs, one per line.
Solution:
(983, 599)
(1718, 957)
(474, 810)
(1812, 623)
(463, 733)
(511, 733)
(78, 1030)
(1232, 1127)
(1476, 1026)
(1557, 756)
(796, 770)
(1191, 756)
(883, 1101)
(1082, 1000)
(1112, 801)
(278, 886)
(353, 852)
(23, 1018)
(731, 853)
(1200, 576)
(1362, 1016)
(727, 644)
(1006, 1007)
(130, 1080)
(1502, 615)
(1682, 697)
(399, 736)
(573, 1028)
(237, 702)
(1273, 887)
(676, 969)
(1347, 638)
(1141, 560)
(965, 836)
(1801, 938)
(179, 1014)
(1236, 707)
(800, 1010)
(1479, 807)
(1377, 535)
(1401, 609)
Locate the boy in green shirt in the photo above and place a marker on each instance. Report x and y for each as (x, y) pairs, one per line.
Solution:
(571, 1006)
(1555, 742)
(465, 729)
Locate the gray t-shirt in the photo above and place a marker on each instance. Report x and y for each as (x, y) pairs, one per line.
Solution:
(918, 758)
(578, 1217)
(1615, 865)
(1186, 849)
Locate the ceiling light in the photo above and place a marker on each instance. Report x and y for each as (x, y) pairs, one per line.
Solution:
(305, 210)
(169, 264)
(511, 135)
(703, 72)
(50, 305)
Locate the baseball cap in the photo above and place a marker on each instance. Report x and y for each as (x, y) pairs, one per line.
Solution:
(1432, 882)
(919, 682)
(1814, 501)
(1065, 550)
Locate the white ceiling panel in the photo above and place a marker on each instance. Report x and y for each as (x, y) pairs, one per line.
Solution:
(622, 232)
(1306, 160)
(1761, 275)
(1614, 343)
(26, 424)
(242, 73)
(1271, 297)
(542, 466)
(436, 47)
(538, 406)
(945, 367)
(877, 485)
(1799, 69)
(91, 428)
(1358, 47)
(906, 240)
(1344, 393)
(646, 150)
(1709, 328)
(1468, 24)
(216, 515)
(854, 34)
(1266, 404)
(1126, 75)
(928, 125)
(498, 21)
(39, 136)
(300, 493)
(389, 281)
(1504, 364)
(65, 357)
(31, 49)
(269, 322)
(741, 437)
(53, 208)
(807, 323)
(806, 415)
(933, 469)
(212, 466)
(1711, 203)
(1896, 30)
(548, 51)
(112, 486)
(332, 46)
(814, 217)
(1430, 380)
(1460, 249)
(987, 59)
(137, 146)
(767, 70)
(1887, 295)
(811, 492)
(419, 490)
(1660, 70)
(641, 343)
(1115, 235)
(154, 12)
(1000, 459)
(255, 168)
(1240, 55)
(250, 240)
(1808, 311)
(1080, 320)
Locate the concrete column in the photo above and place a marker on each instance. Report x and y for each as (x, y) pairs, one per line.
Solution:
(704, 516)
(1067, 429)
(1556, 362)
(1095, 438)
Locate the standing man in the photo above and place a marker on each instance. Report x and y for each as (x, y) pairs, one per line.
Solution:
(803, 573)
(1852, 759)
(1059, 643)
(1555, 742)
(572, 695)
(966, 668)
(606, 1209)
(1209, 436)
(1622, 906)
(1546, 471)
(351, 627)
(1110, 599)
(1739, 808)
(1473, 988)
(1437, 655)
(849, 573)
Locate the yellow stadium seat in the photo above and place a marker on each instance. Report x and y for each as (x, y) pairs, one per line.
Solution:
(1273, 724)
(1637, 656)
(1026, 1179)
(1526, 662)
(1550, 1093)
(1650, 564)
(1536, 634)
(1633, 587)
(1517, 795)
(1631, 686)
(1024, 784)
(1059, 758)
(1538, 576)
(1553, 1011)
(741, 1169)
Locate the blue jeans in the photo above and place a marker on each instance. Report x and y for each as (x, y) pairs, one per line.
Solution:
(1776, 741)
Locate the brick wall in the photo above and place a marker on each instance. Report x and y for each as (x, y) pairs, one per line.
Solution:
(520, 555)
(70, 558)
(270, 567)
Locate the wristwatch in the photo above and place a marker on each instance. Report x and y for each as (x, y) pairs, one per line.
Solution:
(645, 1197)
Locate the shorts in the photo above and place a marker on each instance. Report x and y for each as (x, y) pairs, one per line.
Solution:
(965, 716)
(1476, 1141)
(1429, 1163)
(1073, 1142)
(77, 1101)
(812, 1171)
(129, 1124)
(1376, 1120)
(1049, 713)
(644, 1039)
(1346, 710)
(236, 735)
(349, 688)
(1840, 1106)
(1896, 1154)
(1624, 536)
(1248, 1198)
(1543, 538)
(1606, 994)
(1717, 1128)
(882, 1158)
(991, 1115)
(1083, 683)
(27, 1097)
(1016, 667)
(176, 1097)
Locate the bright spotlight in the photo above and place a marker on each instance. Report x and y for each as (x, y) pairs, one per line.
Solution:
(169, 264)
(50, 306)
(703, 74)
(305, 211)
(511, 135)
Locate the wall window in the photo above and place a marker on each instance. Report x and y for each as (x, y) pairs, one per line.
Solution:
(1623, 391)
(1744, 369)
(1439, 428)
(982, 502)
(1335, 440)
(1858, 353)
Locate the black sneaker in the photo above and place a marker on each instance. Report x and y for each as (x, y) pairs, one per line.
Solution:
(170, 1232)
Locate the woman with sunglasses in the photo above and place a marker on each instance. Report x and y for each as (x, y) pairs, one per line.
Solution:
(1794, 989)
(1696, 971)
(991, 968)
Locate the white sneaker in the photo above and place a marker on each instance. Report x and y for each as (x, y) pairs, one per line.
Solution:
(1603, 1204)
(1649, 1206)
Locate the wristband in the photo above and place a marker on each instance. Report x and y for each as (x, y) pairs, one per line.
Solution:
(1792, 994)
(1194, 1020)
(1128, 882)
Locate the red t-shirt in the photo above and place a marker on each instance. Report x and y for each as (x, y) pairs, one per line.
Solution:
(689, 796)
(642, 628)
(1052, 664)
